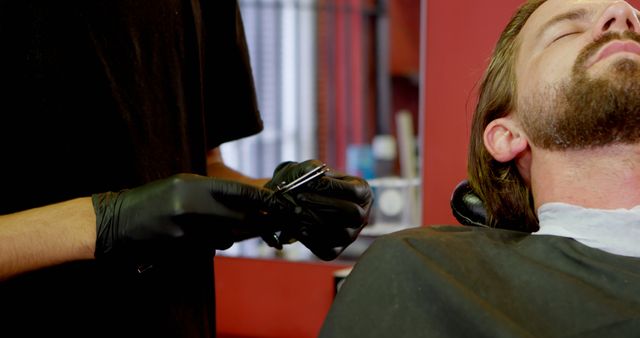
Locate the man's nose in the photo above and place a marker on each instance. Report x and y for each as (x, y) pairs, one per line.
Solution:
(618, 17)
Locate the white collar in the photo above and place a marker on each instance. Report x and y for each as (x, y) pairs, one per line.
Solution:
(614, 231)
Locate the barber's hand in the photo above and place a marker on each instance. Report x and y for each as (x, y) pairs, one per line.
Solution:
(149, 221)
(326, 214)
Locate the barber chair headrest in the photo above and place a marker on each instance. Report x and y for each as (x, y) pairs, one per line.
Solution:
(467, 207)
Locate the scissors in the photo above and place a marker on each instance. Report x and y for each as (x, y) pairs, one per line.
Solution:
(314, 173)
(275, 239)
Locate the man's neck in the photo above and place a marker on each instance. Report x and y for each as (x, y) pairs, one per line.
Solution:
(604, 178)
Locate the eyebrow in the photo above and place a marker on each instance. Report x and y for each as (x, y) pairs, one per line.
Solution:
(575, 14)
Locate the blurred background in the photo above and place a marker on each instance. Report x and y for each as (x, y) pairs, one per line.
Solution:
(337, 80)
(448, 43)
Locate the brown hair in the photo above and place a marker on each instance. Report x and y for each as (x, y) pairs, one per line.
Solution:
(507, 197)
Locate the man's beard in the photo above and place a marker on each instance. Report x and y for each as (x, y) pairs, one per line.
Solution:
(587, 112)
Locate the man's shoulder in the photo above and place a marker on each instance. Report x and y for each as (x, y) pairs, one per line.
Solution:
(460, 247)
(464, 245)
(441, 245)
(452, 235)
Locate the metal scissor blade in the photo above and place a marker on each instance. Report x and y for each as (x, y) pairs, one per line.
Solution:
(315, 172)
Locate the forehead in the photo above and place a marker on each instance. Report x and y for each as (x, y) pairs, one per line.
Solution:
(554, 8)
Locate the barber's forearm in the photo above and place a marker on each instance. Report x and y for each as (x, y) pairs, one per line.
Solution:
(217, 168)
(46, 236)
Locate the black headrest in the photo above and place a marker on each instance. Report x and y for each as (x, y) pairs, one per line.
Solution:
(467, 207)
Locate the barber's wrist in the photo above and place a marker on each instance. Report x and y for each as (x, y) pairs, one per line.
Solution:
(105, 207)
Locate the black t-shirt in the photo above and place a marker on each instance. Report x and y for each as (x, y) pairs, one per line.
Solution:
(473, 282)
(102, 95)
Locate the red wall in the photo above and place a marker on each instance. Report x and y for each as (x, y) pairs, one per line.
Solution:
(460, 38)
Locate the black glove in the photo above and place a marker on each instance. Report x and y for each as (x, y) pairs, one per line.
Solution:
(326, 214)
(184, 210)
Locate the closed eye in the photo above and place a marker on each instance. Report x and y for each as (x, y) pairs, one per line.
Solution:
(562, 36)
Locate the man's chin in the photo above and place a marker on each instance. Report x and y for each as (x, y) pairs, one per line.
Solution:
(626, 66)
(622, 69)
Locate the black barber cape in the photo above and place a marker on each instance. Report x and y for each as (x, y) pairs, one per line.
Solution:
(470, 282)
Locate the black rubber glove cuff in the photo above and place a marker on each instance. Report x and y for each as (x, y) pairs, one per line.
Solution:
(106, 205)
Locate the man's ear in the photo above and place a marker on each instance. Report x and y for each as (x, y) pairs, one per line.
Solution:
(504, 139)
